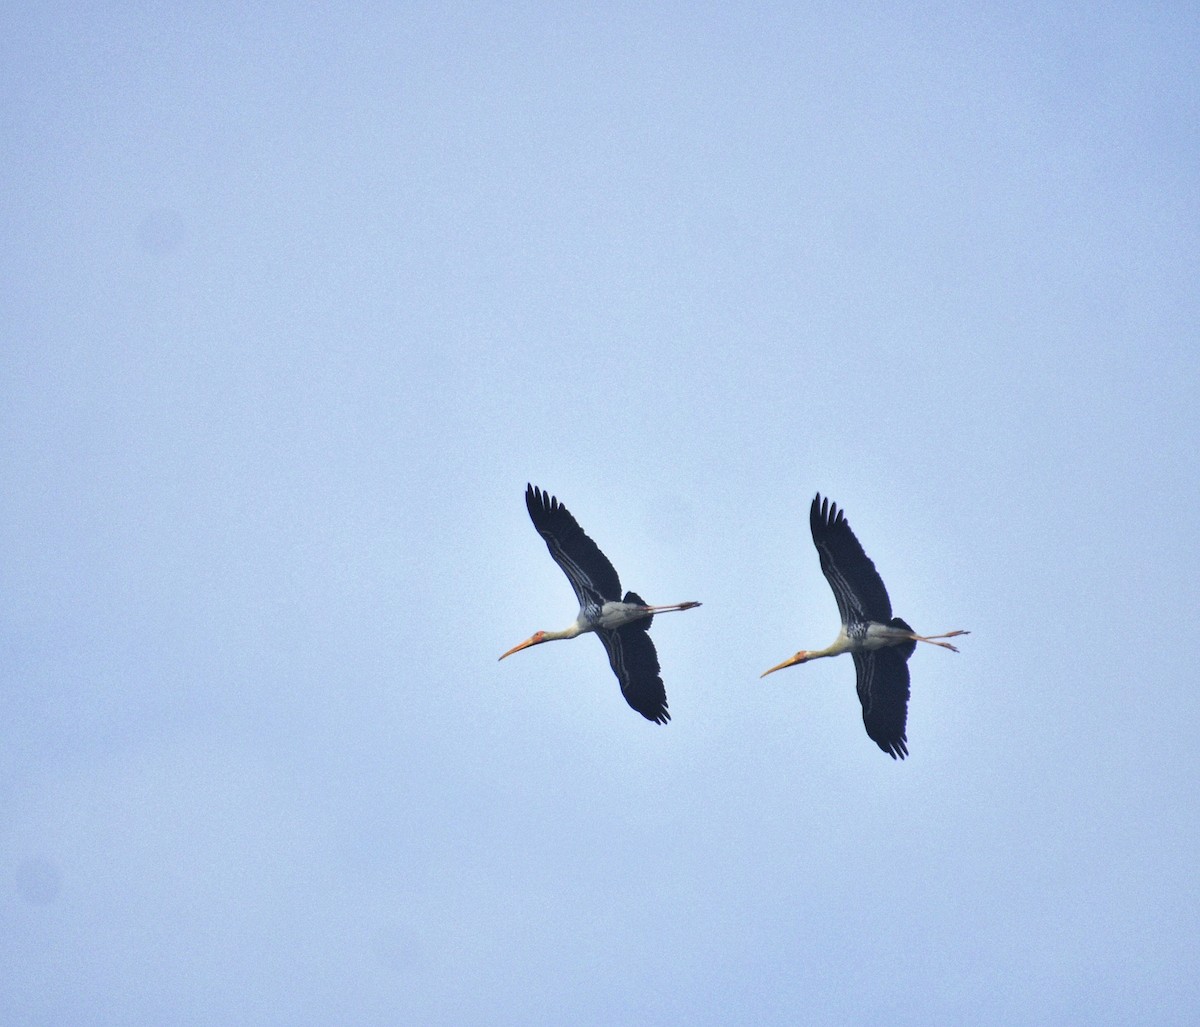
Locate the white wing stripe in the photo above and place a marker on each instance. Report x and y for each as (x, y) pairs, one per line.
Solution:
(585, 591)
(848, 601)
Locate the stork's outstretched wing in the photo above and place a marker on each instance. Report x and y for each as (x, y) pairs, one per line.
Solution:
(883, 692)
(635, 662)
(592, 576)
(856, 584)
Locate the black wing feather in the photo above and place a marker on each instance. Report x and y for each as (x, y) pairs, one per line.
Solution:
(856, 584)
(592, 576)
(883, 691)
(635, 662)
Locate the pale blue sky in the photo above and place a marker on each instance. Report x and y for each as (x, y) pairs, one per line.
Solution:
(296, 302)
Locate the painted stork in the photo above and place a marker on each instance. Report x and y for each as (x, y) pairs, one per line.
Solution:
(880, 643)
(621, 624)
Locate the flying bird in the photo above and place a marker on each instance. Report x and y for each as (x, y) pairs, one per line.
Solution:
(621, 624)
(880, 643)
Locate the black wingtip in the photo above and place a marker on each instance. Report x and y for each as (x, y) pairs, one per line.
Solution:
(539, 503)
(897, 748)
(661, 717)
(824, 513)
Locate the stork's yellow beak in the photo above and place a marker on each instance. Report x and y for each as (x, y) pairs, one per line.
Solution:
(531, 640)
(791, 661)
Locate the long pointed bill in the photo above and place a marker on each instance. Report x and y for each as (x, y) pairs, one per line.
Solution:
(791, 661)
(533, 640)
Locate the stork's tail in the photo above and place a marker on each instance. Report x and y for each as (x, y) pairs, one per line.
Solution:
(644, 622)
(905, 647)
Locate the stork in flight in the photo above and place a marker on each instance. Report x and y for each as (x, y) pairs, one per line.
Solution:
(880, 643)
(621, 624)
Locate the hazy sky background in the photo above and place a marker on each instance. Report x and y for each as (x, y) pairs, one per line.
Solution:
(296, 301)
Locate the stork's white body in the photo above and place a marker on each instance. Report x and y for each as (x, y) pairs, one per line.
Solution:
(876, 636)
